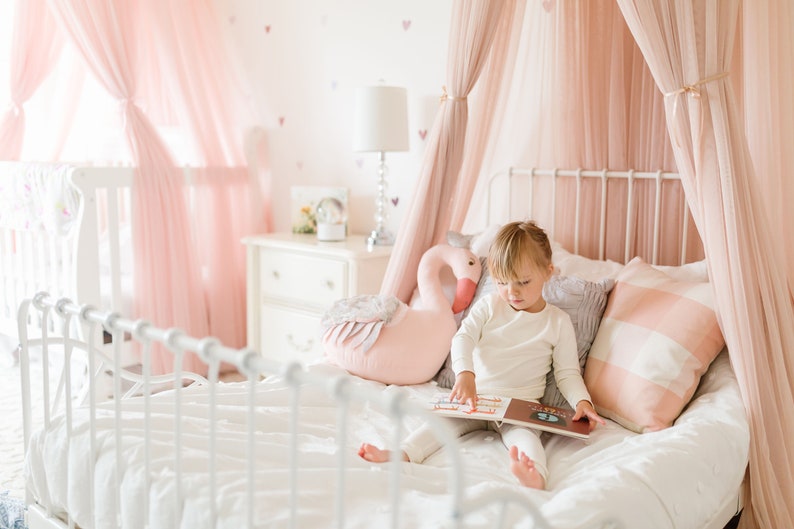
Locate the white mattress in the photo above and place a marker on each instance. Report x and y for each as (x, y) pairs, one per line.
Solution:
(679, 478)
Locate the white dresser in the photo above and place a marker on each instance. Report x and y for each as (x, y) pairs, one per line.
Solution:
(293, 279)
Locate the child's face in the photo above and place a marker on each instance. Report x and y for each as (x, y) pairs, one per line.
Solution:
(526, 292)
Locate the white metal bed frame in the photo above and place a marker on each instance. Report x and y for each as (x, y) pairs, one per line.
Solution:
(212, 352)
(504, 183)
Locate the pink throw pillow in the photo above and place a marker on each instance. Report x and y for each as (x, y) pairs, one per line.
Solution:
(656, 339)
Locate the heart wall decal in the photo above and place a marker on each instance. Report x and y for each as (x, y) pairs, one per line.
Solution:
(423, 133)
(406, 25)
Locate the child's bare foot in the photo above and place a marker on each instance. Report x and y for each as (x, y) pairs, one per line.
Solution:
(524, 469)
(373, 454)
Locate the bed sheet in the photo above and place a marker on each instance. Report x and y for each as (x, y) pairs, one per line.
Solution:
(679, 477)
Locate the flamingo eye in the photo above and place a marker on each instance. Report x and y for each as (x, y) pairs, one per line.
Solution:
(471, 262)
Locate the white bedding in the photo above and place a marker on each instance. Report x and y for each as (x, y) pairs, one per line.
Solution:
(680, 477)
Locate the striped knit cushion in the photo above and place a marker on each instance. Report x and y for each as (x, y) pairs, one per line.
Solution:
(657, 338)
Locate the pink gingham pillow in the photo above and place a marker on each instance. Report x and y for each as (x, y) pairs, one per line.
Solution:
(656, 339)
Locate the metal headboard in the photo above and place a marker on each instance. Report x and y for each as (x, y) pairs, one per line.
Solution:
(505, 185)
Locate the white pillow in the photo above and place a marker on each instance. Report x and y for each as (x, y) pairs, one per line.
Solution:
(570, 264)
(481, 242)
(696, 271)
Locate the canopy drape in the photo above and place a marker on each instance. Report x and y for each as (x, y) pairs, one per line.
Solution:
(617, 122)
(765, 30)
(189, 273)
(35, 49)
(167, 279)
(474, 24)
(688, 46)
(201, 100)
(492, 91)
(582, 108)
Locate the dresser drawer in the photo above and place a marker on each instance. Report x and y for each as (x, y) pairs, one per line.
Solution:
(292, 279)
(289, 334)
(306, 279)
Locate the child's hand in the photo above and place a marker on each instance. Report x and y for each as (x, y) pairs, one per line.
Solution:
(585, 409)
(464, 390)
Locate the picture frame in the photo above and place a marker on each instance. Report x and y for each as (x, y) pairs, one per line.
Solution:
(304, 200)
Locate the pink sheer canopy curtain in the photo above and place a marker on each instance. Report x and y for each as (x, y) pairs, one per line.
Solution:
(487, 106)
(474, 24)
(167, 279)
(202, 99)
(766, 31)
(580, 95)
(35, 49)
(689, 46)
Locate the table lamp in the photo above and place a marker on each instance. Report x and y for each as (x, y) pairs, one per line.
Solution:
(380, 124)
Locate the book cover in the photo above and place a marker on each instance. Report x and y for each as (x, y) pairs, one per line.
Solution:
(516, 411)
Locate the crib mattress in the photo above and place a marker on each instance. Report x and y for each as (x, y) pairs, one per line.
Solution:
(681, 477)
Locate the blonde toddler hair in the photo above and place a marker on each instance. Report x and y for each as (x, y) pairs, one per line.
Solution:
(516, 245)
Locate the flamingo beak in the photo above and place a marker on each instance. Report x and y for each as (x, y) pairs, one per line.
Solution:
(464, 293)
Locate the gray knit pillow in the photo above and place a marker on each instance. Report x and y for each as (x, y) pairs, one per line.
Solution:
(584, 301)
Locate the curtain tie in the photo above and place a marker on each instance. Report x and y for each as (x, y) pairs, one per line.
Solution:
(446, 97)
(126, 105)
(16, 108)
(693, 90)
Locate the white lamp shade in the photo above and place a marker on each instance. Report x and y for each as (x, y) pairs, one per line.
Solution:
(380, 119)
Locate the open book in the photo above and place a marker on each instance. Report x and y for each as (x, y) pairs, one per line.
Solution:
(516, 411)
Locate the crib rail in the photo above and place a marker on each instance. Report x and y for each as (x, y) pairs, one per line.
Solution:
(37, 230)
(90, 262)
(31, 260)
(63, 403)
(62, 235)
(104, 210)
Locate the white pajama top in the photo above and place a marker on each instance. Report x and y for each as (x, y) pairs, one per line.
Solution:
(511, 351)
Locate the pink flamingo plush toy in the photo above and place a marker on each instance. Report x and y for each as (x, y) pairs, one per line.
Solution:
(381, 338)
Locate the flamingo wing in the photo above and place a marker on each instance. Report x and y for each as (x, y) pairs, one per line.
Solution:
(358, 320)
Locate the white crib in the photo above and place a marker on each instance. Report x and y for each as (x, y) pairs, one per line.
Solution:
(64, 230)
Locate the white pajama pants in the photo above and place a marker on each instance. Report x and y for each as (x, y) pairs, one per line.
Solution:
(422, 443)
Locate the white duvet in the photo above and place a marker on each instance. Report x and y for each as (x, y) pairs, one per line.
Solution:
(682, 477)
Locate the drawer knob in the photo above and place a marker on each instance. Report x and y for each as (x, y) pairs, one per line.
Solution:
(301, 348)
(328, 284)
(276, 275)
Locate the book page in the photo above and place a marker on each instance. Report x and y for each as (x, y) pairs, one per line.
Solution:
(515, 411)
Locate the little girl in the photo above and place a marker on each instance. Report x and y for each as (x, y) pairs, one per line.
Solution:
(506, 346)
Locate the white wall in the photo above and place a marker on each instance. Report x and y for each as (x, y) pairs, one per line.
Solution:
(301, 61)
